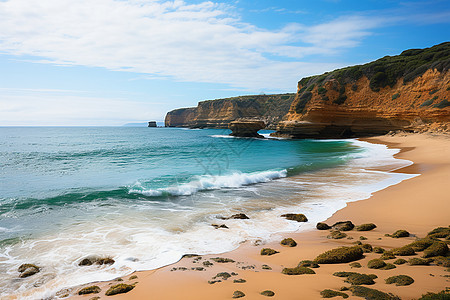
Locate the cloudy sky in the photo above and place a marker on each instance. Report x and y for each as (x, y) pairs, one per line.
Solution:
(110, 62)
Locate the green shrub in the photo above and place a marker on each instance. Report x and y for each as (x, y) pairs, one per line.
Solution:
(119, 289)
(439, 232)
(367, 248)
(420, 245)
(89, 290)
(378, 250)
(343, 226)
(358, 279)
(419, 261)
(426, 103)
(400, 233)
(355, 265)
(298, 271)
(400, 261)
(438, 248)
(371, 294)
(340, 255)
(400, 280)
(443, 104)
(404, 251)
(330, 294)
(336, 235)
(442, 295)
(387, 255)
(340, 99)
(433, 92)
(388, 266)
(321, 90)
(308, 263)
(366, 227)
(442, 261)
(376, 264)
(268, 251)
(395, 96)
(288, 242)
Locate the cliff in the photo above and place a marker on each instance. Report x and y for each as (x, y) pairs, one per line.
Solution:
(403, 92)
(220, 112)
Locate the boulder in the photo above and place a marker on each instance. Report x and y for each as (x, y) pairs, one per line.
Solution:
(246, 128)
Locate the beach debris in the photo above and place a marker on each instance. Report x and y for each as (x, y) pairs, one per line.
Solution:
(288, 242)
(268, 293)
(376, 263)
(439, 232)
(387, 255)
(238, 294)
(357, 278)
(371, 294)
(223, 275)
(330, 294)
(266, 267)
(297, 271)
(240, 280)
(355, 265)
(96, 260)
(27, 270)
(366, 227)
(207, 263)
(343, 226)
(219, 226)
(322, 226)
(438, 248)
(295, 217)
(399, 234)
(336, 235)
(404, 251)
(416, 261)
(222, 260)
(94, 289)
(308, 263)
(120, 288)
(367, 248)
(400, 280)
(444, 294)
(362, 238)
(400, 261)
(340, 255)
(378, 250)
(268, 251)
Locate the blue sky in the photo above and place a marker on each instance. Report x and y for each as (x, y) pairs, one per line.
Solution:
(110, 62)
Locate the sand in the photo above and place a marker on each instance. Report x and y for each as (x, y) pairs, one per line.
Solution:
(417, 205)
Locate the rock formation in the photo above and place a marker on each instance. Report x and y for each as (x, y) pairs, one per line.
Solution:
(246, 128)
(219, 113)
(393, 93)
(152, 124)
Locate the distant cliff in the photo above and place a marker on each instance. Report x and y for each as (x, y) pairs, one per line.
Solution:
(219, 113)
(405, 92)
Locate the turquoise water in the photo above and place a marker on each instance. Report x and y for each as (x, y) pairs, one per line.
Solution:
(145, 196)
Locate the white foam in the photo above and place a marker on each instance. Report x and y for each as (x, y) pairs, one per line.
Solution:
(210, 182)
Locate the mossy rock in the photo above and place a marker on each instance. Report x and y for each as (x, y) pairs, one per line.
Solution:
(295, 217)
(438, 248)
(340, 255)
(439, 232)
(120, 288)
(388, 266)
(400, 233)
(442, 295)
(266, 267)
(27, 270)
(400, 261)
(400, 280)
(366, 227)
(367, 248)
(298, 271)
(308, 263)
(89, 290)
(403, 251)
(222, 260)
(268, 293)
(371, 294)
(268, 251)
(240, 280)
(442, 261)
(420, 244)
(322, 226)
(238, 294)
(346, 274)
(419, 261)
(357, 243)
(207, 263)
(336, 235)
(222, 275)
(288, 242)
(387, 255)
(355, 265)
(239, 217)
(94, 260)
(376, 264)
(359, 279)
(343, 226)
(362, 238)
(378, 250)
(330, 294)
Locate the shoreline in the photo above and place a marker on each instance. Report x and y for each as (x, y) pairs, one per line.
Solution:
(194, 284)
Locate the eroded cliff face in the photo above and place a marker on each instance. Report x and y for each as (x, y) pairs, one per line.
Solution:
(219, 113)
(351, 102)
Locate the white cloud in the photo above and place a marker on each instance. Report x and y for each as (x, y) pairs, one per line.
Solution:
(205, 42)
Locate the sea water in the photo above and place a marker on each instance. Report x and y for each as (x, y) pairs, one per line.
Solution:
(146, 196)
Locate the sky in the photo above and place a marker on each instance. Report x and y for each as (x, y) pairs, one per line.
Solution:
(111, 62)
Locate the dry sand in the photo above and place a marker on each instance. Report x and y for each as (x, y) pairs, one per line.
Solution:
(417, 205)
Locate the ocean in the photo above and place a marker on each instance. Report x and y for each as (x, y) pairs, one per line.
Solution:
(146, 196)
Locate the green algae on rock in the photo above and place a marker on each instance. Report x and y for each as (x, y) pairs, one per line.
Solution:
(288, 242)
(268, 251)
(371, 294)
(120, 288)
(330, 294)
(89, 290)
(343, 226)
(295, 217)
(400, 280)
(336, 235)
(238, 294)
(268, 293)
(340, 255)
(366, 227)
(298, 271)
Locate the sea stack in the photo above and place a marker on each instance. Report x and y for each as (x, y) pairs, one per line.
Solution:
(246, 128)
(152, 124)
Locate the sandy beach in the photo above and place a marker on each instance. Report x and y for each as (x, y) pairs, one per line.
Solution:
(417, 205)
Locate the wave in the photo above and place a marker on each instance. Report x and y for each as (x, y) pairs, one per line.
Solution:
(210, 182)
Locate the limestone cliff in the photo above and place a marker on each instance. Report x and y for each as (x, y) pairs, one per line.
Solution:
(219, 113)
(398, 92)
